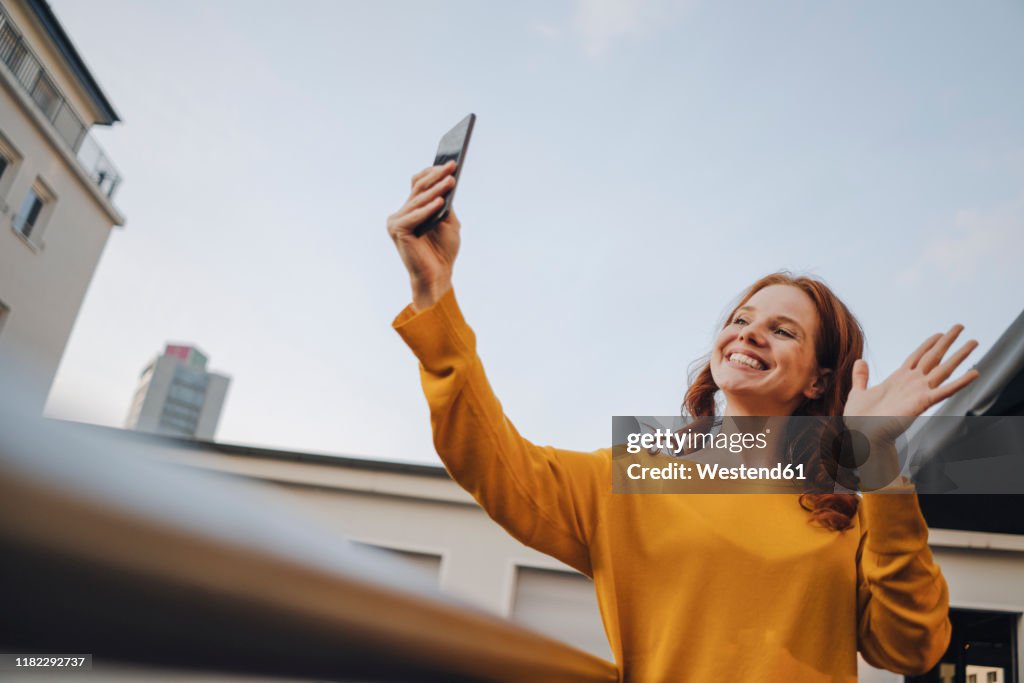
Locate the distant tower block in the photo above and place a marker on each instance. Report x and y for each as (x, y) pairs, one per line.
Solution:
(177, 396)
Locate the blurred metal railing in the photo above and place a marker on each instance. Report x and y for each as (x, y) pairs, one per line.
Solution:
(111, 553)
(30, 74)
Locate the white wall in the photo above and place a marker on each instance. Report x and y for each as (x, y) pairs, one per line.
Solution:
(43, 280)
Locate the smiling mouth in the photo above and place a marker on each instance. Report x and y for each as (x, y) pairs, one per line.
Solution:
(745, 362)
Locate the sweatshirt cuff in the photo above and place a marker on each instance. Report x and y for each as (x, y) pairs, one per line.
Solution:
(436, 332)
(894, 523)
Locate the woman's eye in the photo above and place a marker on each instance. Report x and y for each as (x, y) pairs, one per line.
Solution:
(785, 332)
(739, 321)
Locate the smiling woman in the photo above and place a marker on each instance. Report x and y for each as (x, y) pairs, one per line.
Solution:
(765, 359)
(772, 587)
(788, 348)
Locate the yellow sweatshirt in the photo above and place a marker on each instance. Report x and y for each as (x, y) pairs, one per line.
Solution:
(691, 587)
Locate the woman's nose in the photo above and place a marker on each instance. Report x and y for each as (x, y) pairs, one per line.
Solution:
(748, 334)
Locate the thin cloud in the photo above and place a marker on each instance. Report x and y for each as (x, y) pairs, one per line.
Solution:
(599, 23)
(546, 30)
(982, 239)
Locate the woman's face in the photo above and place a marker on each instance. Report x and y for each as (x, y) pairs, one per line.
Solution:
(764, 360)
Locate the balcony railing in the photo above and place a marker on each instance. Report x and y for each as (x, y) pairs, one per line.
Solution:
(30, 74)
(109, 550)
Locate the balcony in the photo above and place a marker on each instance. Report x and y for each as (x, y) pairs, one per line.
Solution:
(29, 73)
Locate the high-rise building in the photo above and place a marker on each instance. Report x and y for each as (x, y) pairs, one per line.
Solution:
(56, 194)
(178, 396)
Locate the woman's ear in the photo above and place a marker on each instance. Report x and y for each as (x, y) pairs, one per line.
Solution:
(821, 382)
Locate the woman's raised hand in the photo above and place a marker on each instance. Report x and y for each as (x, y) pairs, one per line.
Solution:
(431, 257)
(916, 386)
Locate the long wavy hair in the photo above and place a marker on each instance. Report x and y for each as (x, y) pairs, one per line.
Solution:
(838, 343)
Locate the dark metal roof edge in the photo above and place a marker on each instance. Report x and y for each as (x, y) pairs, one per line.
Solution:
(998, 367)
(77, 65)
(349, 462)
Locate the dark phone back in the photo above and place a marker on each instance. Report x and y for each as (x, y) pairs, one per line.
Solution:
(453, 146)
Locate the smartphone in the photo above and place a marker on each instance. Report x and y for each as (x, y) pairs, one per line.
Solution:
(453, 145)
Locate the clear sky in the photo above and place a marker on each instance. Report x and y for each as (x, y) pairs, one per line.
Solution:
(634, 167)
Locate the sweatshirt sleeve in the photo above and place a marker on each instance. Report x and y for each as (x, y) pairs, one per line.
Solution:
(902, 597)
(547, 498)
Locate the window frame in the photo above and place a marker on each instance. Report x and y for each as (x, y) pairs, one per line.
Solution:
(34, 236)
(5, 314)
(12, 49)
(25, 220)
(45, 94)
(10, 172)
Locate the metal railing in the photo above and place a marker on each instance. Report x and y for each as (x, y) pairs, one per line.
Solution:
(99, 166)
(109, 550)
(29, 72)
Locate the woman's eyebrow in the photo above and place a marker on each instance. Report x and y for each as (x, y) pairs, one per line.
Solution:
(783, 318)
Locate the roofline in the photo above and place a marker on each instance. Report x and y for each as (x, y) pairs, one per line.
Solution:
(998, 367)
(346, 461)
(929, 502)
(60, 38)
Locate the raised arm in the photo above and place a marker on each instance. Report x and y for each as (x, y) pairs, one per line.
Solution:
(547, 498)
(902, 597)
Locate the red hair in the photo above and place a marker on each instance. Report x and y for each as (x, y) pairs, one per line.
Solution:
(838, 343)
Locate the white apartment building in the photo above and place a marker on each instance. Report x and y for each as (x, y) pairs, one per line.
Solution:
(178, 396)
(56, 193)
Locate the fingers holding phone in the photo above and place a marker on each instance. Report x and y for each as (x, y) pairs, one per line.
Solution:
(425, 230)
(426, 198)
(429, 258)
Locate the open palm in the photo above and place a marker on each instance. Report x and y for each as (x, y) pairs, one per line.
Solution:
(915, 386)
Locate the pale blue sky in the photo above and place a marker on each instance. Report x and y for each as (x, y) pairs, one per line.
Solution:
(634, 167)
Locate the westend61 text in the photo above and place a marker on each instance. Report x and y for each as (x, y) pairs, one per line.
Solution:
(709, 471)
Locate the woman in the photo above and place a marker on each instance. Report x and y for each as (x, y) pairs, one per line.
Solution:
(706, 587)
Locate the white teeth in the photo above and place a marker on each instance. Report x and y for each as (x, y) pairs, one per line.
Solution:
(747, 360)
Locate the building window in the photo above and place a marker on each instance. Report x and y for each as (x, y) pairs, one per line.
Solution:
(28, 215)
(31, 217)
(9, 159)
(562, 604)
(982, 649)
(12, 51)
(4, 312)
(46, 96)
(427, 564)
